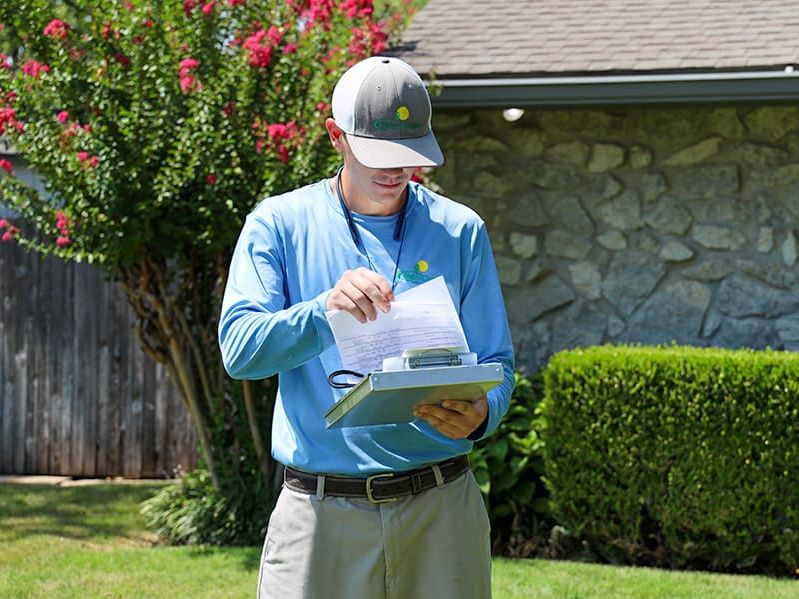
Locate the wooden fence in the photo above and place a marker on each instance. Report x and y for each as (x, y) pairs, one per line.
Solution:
(77, 395)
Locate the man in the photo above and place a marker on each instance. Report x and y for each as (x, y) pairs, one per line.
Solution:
(375, 511)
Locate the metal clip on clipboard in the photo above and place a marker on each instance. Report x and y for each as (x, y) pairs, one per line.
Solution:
(430, 358)
(418, 376)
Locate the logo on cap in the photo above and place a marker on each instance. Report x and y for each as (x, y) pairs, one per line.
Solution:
(400, 121)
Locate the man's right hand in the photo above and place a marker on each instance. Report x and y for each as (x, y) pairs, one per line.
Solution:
(361, 292)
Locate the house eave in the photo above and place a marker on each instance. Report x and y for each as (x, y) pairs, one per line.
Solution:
(618, 90)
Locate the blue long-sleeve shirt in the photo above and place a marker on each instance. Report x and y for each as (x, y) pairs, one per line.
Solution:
(291, 251)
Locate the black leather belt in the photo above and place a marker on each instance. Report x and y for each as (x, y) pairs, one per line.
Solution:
(378, 488)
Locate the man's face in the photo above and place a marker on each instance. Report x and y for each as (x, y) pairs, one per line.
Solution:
(381, 185)
(377, 191)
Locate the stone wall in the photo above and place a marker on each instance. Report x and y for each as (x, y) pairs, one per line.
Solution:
(645, 225)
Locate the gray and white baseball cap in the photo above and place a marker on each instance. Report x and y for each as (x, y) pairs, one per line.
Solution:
(382, 105)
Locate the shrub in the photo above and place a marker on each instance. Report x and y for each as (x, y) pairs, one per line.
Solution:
(508, 467)
(677, 456)
(193, 512)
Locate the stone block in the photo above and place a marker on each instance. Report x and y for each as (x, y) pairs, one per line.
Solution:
(640, 157)
(568, 212)
(565, 245)
(579, 325)
(674, 314)
(669, 217)
(527, 211)
(652, 186)
(612, 240)
(789, 249)
(780, 176)
(770, 273)
(754, 333)
(708, 270)
(674, 251)
(586, 279)
(765, 239)
(788, 327)
(716, 237)
(547, 294)
(574, 152)
(525, 143)
(524, 245)
(509, 270)
(631, 278)
(622, 212)
(605, 157)
(726, 122)
(553, 176)
(740, 296)
(615, 325)
(760, 156)
(772, 122)
(706, 181)
(695, 153)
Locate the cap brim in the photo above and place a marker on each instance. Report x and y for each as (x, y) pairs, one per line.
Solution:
(396, 153)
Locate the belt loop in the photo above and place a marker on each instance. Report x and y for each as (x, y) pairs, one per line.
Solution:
(437, 474)
(320, 486)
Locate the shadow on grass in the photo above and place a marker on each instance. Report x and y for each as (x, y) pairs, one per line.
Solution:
(249, 558)
(81, 513)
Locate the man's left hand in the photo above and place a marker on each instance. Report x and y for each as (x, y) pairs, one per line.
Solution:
(454, 418)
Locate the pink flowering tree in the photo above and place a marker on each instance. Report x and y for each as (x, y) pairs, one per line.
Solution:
(156, 126)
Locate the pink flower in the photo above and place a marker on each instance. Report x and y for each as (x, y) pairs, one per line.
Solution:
(6, 166)
(290, 49)
(63, 241)
(82, 156)
(260, 53)
(235, 2)
(189, 6)
(3, 223)
(208, 8)
(274, 35)
(187, 64)
(34, 69)
(277, 130)
(62, 222)
(7, 236)
(4, 64)
(87, 128)
(94, 161)
(56, 29)
(62, 116)
(187, 83)
(211, 179)
(147, 23)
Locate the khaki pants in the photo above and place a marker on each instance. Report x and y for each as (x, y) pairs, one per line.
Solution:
(434, 545)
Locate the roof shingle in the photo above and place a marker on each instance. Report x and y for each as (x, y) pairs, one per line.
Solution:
(463, 38)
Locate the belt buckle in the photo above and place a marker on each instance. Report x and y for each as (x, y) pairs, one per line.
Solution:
(369, 494)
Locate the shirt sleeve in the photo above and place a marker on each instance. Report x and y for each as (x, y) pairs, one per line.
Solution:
(259, 333)
(485, 324)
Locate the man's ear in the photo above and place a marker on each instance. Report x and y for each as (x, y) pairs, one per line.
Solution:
(335, 133)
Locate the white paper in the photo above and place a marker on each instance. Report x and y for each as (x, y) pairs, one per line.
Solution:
(423, 317)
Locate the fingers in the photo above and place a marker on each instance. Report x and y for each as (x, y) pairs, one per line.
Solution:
(361, 292)
(455, 419)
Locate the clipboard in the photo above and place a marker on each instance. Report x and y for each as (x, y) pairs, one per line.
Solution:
(389, 397)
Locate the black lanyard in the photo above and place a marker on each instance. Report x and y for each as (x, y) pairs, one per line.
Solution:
(399, 228)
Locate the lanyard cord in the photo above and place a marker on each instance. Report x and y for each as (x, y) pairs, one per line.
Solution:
(399, 228)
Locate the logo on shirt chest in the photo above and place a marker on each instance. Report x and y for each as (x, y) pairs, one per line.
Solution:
(419, 274)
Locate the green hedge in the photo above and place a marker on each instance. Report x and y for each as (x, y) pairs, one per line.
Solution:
(674, 456)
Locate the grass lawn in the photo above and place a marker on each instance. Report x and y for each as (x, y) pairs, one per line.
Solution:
(90, 542)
